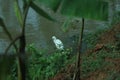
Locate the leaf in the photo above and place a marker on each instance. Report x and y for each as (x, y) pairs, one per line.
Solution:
(5, 64)
(1, 22)
(91, 9)
(41, 11)
(53, 4)
(18, 12)
(66, 24)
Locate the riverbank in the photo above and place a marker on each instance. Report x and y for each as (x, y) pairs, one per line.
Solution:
(100, 62)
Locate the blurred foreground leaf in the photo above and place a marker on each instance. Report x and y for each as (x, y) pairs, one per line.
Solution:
(6, 62)
(91, 9)
(41, 11)
(53, 4)
(18, 12)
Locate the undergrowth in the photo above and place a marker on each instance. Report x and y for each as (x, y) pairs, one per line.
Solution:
(42, 66)
(92, 38)
(97, 60)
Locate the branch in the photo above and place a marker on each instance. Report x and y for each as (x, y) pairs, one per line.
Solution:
(77, 72)
(25, 12)
(13, 42)
(7, 32)
(22, 55)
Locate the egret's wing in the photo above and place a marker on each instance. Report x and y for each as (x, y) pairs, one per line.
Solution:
(58, 44)
(59, 41)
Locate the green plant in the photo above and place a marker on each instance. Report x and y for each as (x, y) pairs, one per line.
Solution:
(96, 61)
(113, 75)
(21, 16)
(116, 18)
(42, 66)
(92, 38)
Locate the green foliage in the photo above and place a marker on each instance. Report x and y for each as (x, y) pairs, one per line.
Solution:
(116, 18)
(6, 64)
(1, 22)
(95, 9)
(40, 11)
(54, 4)
(18, 12)
(92, 38)
(96, 61)
(90, 64)
(113, 75)
(65, 25)
(35, 7)
(43, 66)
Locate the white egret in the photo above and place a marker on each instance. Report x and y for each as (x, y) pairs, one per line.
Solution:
(58, 43)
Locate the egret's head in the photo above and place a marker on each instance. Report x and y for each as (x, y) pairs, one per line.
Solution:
(53, 37)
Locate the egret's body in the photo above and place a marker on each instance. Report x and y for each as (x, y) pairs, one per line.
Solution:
(58, 43)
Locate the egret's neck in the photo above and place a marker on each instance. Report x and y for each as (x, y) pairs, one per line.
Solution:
(54, 39)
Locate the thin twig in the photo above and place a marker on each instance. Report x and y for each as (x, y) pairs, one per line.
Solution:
(7, 32)
(77, 71)
(13, 42)
(25, 12)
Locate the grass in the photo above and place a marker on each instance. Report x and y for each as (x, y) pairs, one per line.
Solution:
(104, 61)
(92, 38)
(97, 61)
(42, 66)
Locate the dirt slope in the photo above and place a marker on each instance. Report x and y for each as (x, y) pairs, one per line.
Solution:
(108, 37)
